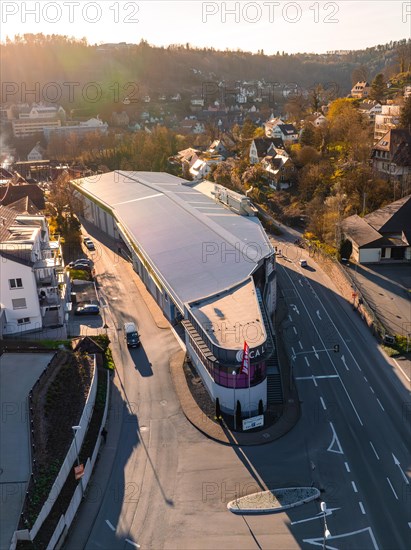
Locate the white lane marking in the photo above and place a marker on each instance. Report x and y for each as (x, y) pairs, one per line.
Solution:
(409, 524)
(375, 452)
(133, 543)
(315, 352)
(397, 463)
(392, 488)
(328, 353)
(405, 375)
(295, 330)
(354, 487)
(315, 381)
(318, 314)
(321, 376)
(300, 281)
(361, 507)
(300, 344)
(294, 307)
(319, 541)
(293, 350)
(110, 525)
(347, 467)
(343, 360)
(365, 378)
(322, 403)
(335, 441)
(307, 361)
(380, 404)
(371, 388)
(320, 515)
(290, 318)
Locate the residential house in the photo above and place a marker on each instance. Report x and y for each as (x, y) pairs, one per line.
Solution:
(361, 90)
(32, 281)
(185, 159)
(5, 177)
(391, 157)
(383, 235)
(387, 119)
(261, 147)
(318, 120)
(36, 153)
(369, 109)
(12, 193)
(270, 124)
(279, 170)
(287, 132)
(219, 147)
(202, 166)
(191, 126)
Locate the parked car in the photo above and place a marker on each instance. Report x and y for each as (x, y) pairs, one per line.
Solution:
(85, 239)
(87, 309)
(303, 263)
(80, 261)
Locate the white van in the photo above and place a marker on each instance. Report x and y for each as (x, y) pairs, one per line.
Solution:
(131, 335)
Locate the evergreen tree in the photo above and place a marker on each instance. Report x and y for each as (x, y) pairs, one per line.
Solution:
(378, 87)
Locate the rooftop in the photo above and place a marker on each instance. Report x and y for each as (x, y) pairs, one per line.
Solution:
(196, 247)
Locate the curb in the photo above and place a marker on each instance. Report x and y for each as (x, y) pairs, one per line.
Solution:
(233, 505)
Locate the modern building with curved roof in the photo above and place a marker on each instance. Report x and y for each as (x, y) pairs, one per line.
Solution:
(206, 259)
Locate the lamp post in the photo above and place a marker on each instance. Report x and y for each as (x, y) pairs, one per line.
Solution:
(327, 533)
(234, 373)
(75, 429)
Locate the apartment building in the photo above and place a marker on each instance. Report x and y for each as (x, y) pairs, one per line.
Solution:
(387, 119)
(33, 285)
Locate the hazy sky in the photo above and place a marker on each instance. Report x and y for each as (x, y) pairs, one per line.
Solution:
(303, 26)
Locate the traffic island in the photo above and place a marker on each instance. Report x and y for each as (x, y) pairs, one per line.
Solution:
(273, 501)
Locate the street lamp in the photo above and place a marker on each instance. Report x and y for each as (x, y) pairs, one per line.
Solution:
(234, 373)
(75, 428)
(327, 533)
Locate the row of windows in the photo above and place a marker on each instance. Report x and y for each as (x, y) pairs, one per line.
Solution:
(23, 321)
(15, 283)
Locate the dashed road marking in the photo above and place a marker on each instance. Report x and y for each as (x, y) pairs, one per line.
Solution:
(322, 403)
(110, 525)
(380, 404)
(307, 361)
(361, 507)
(300, 344)
(365, 378)
(347, 467)
(371, 388)
(375, 452)
(295, 330)
(354, 486)
(392, 488)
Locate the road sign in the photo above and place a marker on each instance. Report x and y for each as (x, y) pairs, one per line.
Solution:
(253, 422)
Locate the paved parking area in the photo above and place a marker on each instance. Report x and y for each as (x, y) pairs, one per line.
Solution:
(18, 374)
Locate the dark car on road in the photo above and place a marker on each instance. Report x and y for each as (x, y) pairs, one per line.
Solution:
(87, 309)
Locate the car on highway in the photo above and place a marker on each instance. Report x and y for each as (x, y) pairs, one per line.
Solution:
(87, 309)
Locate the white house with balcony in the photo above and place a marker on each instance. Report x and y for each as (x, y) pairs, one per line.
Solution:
(33, 284)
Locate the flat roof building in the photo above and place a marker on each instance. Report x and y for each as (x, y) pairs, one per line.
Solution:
(206, 266)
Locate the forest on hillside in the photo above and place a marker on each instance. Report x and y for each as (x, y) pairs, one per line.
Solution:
(44, 59)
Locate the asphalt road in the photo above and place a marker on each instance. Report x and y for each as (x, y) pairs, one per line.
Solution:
(355, 394)
(169, 485)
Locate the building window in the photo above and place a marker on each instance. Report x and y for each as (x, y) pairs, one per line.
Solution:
(19, 303)
(23, 321)
(15, 283)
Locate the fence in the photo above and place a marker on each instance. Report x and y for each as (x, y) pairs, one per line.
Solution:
(66, 467)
